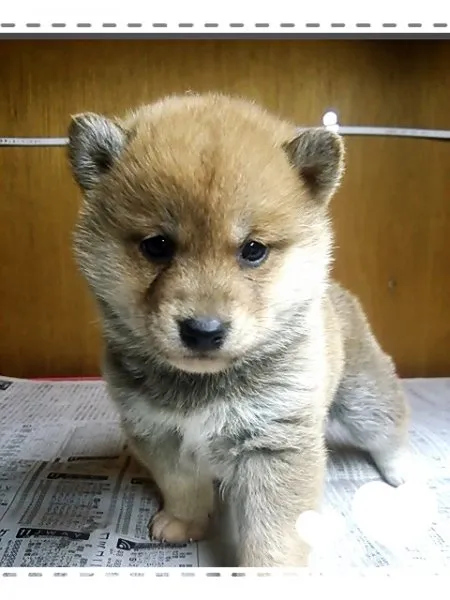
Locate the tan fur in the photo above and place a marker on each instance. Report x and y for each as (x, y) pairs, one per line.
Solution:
(211, 172)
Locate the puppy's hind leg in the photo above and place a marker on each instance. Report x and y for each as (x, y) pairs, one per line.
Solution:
(370, 403)
(375, 419)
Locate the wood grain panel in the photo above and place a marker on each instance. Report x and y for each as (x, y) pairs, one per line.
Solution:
(392, 215)
(392, 219)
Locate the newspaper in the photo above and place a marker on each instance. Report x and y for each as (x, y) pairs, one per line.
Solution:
(71, 495)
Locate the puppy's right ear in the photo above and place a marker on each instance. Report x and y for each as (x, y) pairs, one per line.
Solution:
(95, 143)
(317, 155)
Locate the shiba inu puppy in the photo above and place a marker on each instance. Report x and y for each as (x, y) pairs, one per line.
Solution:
(205, 238)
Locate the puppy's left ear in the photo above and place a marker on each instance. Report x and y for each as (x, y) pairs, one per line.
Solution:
(318, 157)
(95, 143)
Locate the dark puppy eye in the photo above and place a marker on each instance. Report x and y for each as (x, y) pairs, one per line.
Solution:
(158, 248)
(252, 253)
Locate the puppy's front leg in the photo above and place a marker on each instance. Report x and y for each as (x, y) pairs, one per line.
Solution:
(188, 493)
(270, 490)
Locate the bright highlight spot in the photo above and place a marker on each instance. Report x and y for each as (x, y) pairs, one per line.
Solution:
(329, 118)
(330, 121)
(394, 517)
(319, 530)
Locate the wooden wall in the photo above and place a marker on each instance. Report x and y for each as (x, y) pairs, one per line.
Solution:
(392, 215)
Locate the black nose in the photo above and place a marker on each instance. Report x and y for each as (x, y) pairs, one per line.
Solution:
(203, 334)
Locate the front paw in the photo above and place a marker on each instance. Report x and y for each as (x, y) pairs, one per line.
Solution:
(167, 528)
(273, 553)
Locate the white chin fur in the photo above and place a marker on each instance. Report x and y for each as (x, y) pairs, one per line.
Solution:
(200, 365)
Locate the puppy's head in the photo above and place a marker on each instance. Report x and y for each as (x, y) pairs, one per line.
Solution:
(204, 230)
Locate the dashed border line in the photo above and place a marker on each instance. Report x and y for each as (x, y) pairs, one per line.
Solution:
(156, 572)
(237, 25)
(180, 572)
